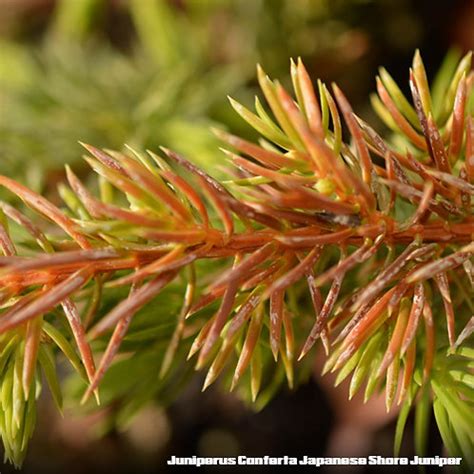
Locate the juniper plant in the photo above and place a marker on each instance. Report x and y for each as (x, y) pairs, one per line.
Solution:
(376, 236)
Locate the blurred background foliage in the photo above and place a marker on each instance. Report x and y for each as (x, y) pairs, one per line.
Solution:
(157, 72)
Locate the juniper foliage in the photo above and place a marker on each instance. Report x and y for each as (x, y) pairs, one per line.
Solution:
(364, 244)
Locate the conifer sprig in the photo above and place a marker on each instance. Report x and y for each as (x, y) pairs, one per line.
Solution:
(377, 236)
